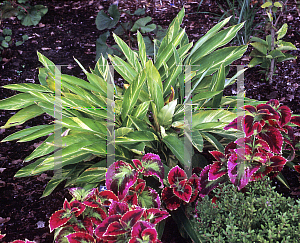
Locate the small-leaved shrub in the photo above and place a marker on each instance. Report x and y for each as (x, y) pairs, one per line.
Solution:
(258, 215)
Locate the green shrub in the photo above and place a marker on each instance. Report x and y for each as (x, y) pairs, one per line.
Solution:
(259, 215)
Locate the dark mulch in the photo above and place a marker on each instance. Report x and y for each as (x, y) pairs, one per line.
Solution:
(68, 30)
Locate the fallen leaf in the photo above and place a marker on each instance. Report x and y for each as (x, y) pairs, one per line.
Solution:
(2, 169)
(4, 220)
(18, 161)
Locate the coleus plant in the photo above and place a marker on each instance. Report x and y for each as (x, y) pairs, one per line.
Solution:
(126, 212)
(16, 241)
(258, 153)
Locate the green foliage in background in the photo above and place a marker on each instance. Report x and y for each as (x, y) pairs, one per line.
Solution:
(272, 50)
(26, 13)
(259, 215)
(125, 29)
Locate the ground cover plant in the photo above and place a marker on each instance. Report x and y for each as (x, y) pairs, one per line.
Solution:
(163, 159)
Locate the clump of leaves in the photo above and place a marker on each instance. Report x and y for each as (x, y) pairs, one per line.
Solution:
(125, 29)
(272, 50)
(26, 13)
(259, 214)
(6, 40)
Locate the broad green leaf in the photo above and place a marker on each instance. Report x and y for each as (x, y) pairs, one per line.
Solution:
(225, 55)
(49, 109)
(167, 52)
(123, 68)
(25, 87)
(141, 24)
(266, 4)
(47, 63)
(103, 21)
(80, 82)
(286, 46)
(165, 115)
(98, 148)
(142, 49)
(207, 116)
(94, 174)
(171, 80)
(122, 131)
(219, 39)
(172, 31)
(154, 85)
(210, 138)
(255, 61)
(97, 82)
(197, 140)
(256, 39)
(260, 47)
(84, 124)
(138, 148)
(37, 134)
(282, 31)
(218, 85)
(141, 110)
(208, 35)
(56, 180)
(136, 123)
(23, 115)
(184, 223)
(205, 95)
(17, 102)
(23, 133)
(286, 57)
(132, 93)
(177, 148)
(275, 54)
(136, 137)
(129, 54)
(26, 171)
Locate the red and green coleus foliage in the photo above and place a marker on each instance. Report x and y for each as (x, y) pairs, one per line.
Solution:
(258, 153)
(126, 212)
(181, 188)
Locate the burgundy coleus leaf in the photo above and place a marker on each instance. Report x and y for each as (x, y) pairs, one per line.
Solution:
(149, 198)
(295, 120)
(171, 200)
(97, 216)
(2, 236)
(120, 176)
(267, 112)
(115, 229)
(101, 229)
(217, 170)
(118, 208)
(153, 167)
(261, 173)
(285, 115)
(130, 218)
(176, 174)
(230, 148)
(206, 186)
(250, 125)
(235, 124)
(240, 173)
(155, 215)
(78, 206)
(107, 197)
(80, 237)
(142, 231)
(58, 219)
(131, 200)
(183, 191)
(220, 157)
(92, 203)
(194, 182)
(274, 103)
(273, 137)
(140, 187)
(297, 168)
(138, 165)
(277, 163)
(66, 205)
